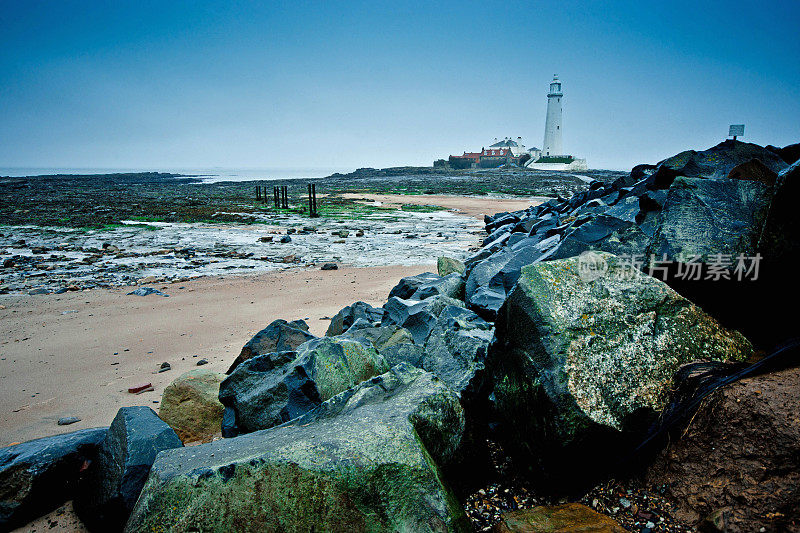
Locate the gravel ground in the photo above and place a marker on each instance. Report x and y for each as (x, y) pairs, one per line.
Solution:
(636, 507)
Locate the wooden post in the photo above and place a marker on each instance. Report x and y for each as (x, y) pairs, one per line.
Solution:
(275, 195)
(314, 197)
(285, 196)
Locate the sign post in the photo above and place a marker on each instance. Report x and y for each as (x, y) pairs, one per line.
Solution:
(736, 130)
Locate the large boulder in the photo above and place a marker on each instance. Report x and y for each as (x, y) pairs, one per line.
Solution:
(409, 285)
(39, 475)
(706, 247)
(790, 154)
(274, 388)
(393, 343)
(448, 265)
(416, 316)
(455, 351)
(737, 462)
(369, 459)
(106, 495)
(716, 162)
(264, 391)
(190, 405)
(451, 286)
(490, 280)
(584, 357)
(345, 318)
(604, 233)
(707, 217)
(279, 336)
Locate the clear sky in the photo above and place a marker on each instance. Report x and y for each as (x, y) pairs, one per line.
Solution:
(198, 84)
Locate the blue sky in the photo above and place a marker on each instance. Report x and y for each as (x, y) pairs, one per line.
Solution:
(326, 84)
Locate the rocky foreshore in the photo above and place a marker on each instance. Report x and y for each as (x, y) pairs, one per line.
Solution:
(39, 260)
(613, 360)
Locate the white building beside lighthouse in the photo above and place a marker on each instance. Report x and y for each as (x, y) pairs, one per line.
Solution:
(552, 126)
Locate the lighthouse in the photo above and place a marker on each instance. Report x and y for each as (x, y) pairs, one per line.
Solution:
(552, 126)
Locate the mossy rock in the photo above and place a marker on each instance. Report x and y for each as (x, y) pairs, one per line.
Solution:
(367, 460)
(448, 265)
(190, 405)
(584, 359)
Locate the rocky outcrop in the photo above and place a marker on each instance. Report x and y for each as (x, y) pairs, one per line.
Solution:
(366, 460)
(106, 495)
(451, 286)
(417, 316)
(716, 162)
(736, 465)
(190, 405)
(393, 343)
(39, 475)
(409, 285)
(584, 360)
(565, 518)
(271, 389)
(703, 218)
(345, 318)
(279, 336)
(455, 351)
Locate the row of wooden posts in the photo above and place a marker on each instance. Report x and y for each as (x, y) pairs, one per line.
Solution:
(280, 197)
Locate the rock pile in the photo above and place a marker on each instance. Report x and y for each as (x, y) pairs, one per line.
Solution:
(560, 339)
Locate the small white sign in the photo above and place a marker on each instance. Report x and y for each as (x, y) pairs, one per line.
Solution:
(737, 130)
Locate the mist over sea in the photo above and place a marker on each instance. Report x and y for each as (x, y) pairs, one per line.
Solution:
(208, 175)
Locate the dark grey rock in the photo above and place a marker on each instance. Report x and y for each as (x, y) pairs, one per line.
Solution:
(330, 266)
(271, 389)
(106, 495)
(278, 336)
(716, 162)
(410, 284)
(605, 233)
(345, 318)
(704, 217)
(264, 391)
(39, 475)
(455, 351)
(67, 420)
(417, 316)
(451, 286)
(146, 291)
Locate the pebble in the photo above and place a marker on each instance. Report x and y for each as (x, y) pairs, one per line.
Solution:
(164, 367)
(202, 362)
(330, 266)
(67, 420)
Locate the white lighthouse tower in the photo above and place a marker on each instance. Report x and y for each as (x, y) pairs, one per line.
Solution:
(552, 127)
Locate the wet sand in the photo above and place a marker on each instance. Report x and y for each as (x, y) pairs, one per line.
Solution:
(473, 206)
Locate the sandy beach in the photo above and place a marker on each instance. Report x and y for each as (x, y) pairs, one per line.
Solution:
(76, 354)
(472, 206)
